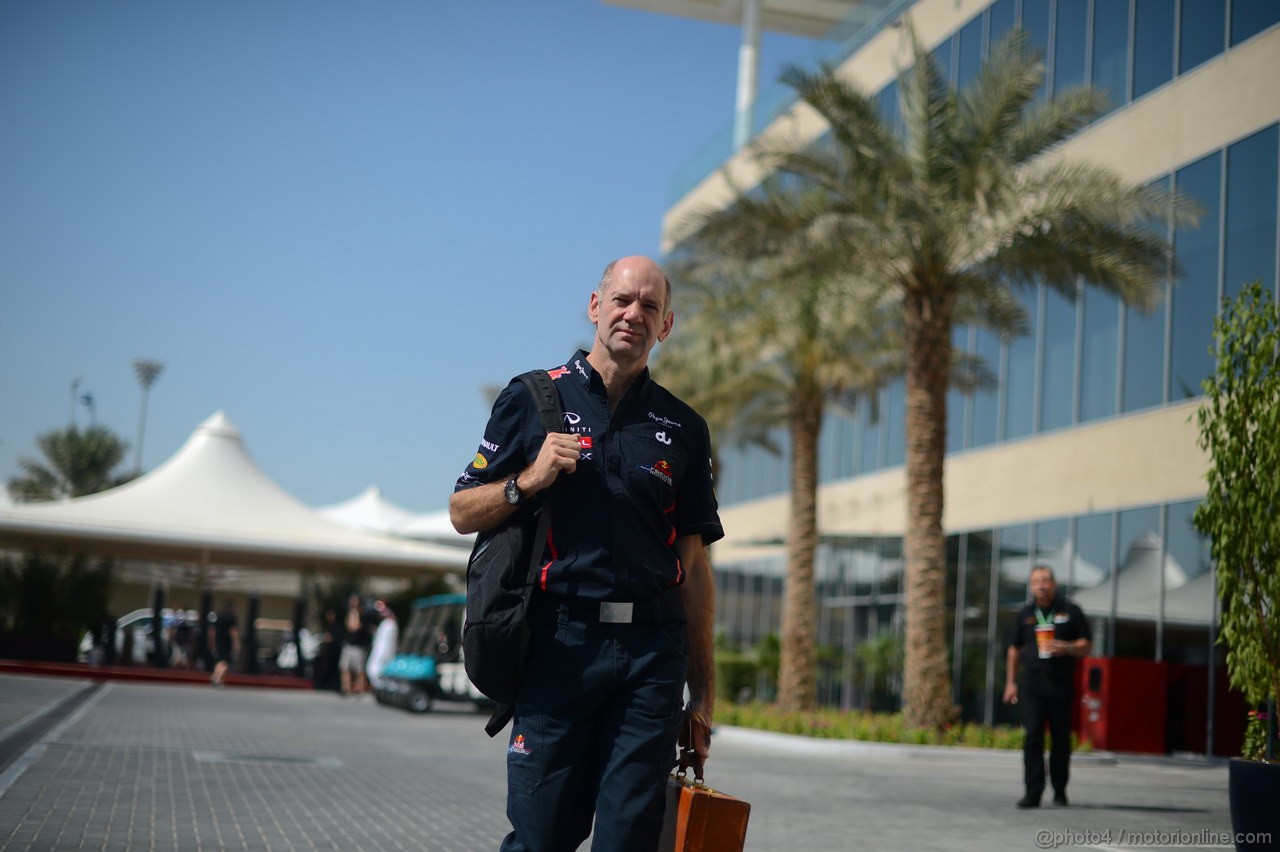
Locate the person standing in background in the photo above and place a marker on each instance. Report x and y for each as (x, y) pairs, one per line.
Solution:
(1049, 634)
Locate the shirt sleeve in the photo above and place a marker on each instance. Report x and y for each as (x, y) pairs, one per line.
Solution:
(1082, 629)
(503, 449)
(697, 512)
(1015, 632)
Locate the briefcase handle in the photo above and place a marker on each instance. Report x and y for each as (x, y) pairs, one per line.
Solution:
(687, 753)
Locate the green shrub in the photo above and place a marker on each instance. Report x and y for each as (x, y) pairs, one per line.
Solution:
(863, 726)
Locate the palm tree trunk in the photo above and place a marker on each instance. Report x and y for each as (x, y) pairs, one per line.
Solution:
(797, 687)
(926, 690)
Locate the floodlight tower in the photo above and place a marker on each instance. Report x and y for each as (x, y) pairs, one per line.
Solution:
(147, 372)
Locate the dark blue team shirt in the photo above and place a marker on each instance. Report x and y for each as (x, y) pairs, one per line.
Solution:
(643, 480)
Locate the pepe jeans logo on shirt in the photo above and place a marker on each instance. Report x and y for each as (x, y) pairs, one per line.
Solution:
(663, 421)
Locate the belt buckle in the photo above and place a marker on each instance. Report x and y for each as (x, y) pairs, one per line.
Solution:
(616, 612)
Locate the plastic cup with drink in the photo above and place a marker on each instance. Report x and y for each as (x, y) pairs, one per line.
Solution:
(1044, 638)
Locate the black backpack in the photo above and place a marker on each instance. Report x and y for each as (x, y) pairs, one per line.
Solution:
(500, 579)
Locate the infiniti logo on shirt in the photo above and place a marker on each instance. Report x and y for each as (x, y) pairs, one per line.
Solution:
(571, 421)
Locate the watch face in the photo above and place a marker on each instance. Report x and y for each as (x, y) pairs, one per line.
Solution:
(513, 492)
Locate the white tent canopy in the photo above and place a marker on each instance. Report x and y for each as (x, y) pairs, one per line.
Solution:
(435, 527)
(211, 504)
(369, 510)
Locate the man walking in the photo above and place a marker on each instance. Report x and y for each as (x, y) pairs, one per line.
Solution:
(1048, 635)
(623, 605)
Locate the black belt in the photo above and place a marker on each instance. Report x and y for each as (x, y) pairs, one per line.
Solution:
(665, 607)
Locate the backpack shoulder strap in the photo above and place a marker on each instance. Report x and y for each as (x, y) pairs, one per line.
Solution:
(546, 397)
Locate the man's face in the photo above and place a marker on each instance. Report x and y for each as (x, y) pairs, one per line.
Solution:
(1042, 587)
(631, 314)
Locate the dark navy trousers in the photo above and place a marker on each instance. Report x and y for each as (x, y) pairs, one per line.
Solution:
(594, 733)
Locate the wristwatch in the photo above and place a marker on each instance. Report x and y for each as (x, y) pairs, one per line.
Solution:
(512, 492)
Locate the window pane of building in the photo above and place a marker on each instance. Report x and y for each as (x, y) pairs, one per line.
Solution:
(869, 452)
(942, 55)
(1153, 45)
(848, 445)
(984, 404)
(968, 52)
(1091, 568)
(1015, 566)
(1000, 20)
(956, 418)
(1111, 49)
(888, 99)
(1144, 349)
(890, 576)
(1053, 548)
(972, 682)
(1188, 609)
(1070, 29)
(1203, 32)
(1250, 17)
(1195, 296)
(1019, 388)
(1251, 212)
(1035, 20)
(1057, 383)
(1091, 563)
(1098, 365)
(893, 415)
(1187, 548)
(1138, 579)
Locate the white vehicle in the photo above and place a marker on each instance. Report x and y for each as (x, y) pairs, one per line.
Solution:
(137, 625)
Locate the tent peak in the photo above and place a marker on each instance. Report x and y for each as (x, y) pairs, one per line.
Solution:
(219, 425)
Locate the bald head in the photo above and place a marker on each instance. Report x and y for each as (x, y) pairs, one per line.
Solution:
(635, 265)
(631, 310)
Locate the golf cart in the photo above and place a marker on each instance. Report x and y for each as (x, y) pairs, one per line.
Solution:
(429, 664)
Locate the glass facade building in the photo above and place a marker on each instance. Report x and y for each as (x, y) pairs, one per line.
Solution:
(1083, 454)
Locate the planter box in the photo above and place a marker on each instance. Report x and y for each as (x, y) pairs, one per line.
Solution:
(1254, 791)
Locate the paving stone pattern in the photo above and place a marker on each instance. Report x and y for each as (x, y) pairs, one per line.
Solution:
(20, 696)
(165, 767)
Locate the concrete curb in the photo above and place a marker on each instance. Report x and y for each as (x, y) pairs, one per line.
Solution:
(798, 744)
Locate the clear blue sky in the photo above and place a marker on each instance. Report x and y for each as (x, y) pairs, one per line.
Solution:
(334, 221)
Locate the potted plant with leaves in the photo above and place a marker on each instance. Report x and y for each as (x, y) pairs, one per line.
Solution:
(1239, 426)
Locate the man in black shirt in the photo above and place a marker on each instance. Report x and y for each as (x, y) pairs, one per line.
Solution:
(623, 604)
(1048, 635)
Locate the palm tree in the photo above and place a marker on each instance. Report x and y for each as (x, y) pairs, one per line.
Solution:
(77, 462)
(944, 219)
(784, 335)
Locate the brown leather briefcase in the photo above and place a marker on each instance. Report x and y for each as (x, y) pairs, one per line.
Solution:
(700, 819)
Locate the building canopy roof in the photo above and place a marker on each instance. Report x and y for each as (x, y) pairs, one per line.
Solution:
(211, 503)
(800, 17)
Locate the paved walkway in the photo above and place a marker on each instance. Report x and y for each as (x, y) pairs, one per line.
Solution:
(138, 766)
